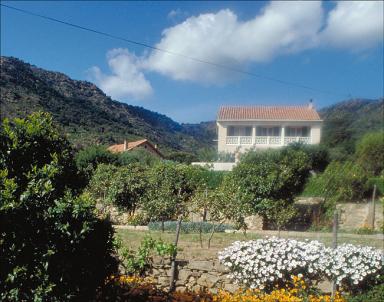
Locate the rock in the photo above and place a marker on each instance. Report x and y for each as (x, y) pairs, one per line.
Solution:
(208, 280)
(230, 287)
(202, 265)
(163, 281)
(184, 275)
(219, 267)
(181, 289)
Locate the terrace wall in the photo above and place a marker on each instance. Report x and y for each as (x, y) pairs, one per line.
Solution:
(192, 275)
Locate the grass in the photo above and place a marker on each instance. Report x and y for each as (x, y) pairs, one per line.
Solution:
(190, 244)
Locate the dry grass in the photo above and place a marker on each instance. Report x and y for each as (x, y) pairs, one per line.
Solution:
(190, 243)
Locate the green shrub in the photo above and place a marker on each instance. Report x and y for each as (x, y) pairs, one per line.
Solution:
(182, 157)
(318, 155)
(89, 158)
(52, 245)
(370, 152)
(375, 294)
(365, 231)
(340, 182)
(379, 182)
(120, 186)
(189, 227)
(139, 155)
(137, 262)
(265, 177)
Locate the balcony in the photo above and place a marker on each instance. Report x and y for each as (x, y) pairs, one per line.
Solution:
(266, 140)
(299, 139)
(239, 140)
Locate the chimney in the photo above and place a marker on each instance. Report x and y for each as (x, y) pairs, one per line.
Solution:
(310, 105)
(125, 145)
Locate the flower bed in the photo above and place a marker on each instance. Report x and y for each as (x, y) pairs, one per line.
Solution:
(265, 263)
(127, 288)
(296, 292)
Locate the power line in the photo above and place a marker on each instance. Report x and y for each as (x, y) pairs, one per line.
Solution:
(169, 52)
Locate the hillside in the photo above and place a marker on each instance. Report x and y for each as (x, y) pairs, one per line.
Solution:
(347, 121)
(86, 114)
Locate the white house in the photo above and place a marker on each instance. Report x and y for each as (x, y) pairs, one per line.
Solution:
(259, 127)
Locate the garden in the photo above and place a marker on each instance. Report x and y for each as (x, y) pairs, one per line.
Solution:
(58, 207)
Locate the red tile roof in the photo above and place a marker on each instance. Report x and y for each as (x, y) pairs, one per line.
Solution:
(131, 145)
(287, 113)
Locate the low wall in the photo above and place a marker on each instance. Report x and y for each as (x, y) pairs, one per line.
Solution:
(192, 275)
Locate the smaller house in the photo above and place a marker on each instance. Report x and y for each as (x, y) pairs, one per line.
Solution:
(128, 146)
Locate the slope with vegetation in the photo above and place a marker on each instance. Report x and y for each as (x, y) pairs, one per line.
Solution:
(86, 114)
(348, 121)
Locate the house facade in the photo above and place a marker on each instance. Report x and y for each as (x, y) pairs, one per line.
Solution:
(241, 128)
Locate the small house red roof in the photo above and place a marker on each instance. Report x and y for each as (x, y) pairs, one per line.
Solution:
(127, 146)
(289, 113)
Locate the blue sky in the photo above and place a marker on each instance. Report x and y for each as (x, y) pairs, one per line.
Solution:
(333, 46)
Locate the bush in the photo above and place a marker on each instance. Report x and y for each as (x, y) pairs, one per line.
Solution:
(189, 227)
(370, 152)
(265, 263)
(137, 262)
(182, 157)
(375, 294)
(340, 182)
(139, 155)
(265, 177)
(123, 187)
(89, 158)
(318, 155)
(52, 245)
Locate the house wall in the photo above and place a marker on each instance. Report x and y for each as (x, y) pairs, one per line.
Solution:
(315, 133)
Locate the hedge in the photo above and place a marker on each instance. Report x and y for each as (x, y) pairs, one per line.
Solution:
(188, 227)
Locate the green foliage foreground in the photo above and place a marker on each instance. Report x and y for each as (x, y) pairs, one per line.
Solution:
(52, 245)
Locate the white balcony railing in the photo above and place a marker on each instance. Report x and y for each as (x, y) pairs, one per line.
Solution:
(265, 140)
(268, 140)
(232, 140)
(245, 140)
(300, 139)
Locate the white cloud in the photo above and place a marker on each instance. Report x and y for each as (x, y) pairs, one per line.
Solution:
(355, 24)
(281, 28)
(126, 80)
(221, 38)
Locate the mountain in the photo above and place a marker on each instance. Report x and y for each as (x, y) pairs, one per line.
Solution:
(347, 121)
(87, 115)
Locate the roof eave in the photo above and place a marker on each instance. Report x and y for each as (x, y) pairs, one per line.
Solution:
(265, 120)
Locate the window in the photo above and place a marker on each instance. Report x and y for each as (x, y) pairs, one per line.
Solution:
(248, 131)
(268, 131)
(231, 131)
(239, 131)
(297, 131)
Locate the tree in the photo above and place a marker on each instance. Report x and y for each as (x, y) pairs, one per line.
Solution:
(89, 158)
(139, 155)
(123, 187)
(182, 157)
(263, 178)
(370, 152)
(170, 188)
(319, 157)
(52, 246)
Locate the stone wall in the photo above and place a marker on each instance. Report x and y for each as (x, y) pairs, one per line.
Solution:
(192, 275)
